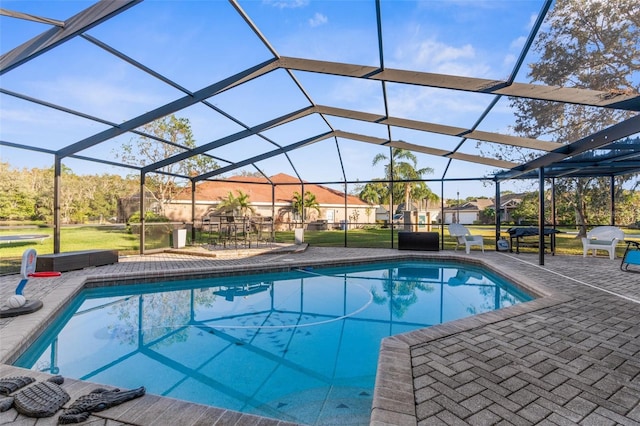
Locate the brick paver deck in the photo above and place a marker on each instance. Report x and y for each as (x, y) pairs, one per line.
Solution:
(572, 356)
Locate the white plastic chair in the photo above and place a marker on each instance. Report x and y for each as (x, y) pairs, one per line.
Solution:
(463, 236)
(602, 238)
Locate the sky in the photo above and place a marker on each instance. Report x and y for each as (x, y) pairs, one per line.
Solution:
(198, 43)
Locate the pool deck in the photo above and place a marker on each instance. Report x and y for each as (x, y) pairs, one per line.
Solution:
(572, 356)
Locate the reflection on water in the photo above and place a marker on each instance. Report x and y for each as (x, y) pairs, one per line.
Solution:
(300, 346)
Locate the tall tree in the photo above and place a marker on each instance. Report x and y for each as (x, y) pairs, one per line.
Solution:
(236, 205)
(403, 166)
(586, 44)
(300, 204)
(17, 200)
(150, 149)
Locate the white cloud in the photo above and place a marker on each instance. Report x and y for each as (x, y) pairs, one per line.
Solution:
(532, 21)
(318, 19)
(99, 98)
(509, 60)
(286, 4)
(433, 56)
(518, 43)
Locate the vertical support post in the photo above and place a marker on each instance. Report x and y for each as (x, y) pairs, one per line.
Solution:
(346, 224)
(391, 194)
(303, 209)
(541, 216)
(554, 221)
(142, 211)
(612, 190)
(442, 214)
(193, 211)
(273, 213)
(57, 188)
(497, 213)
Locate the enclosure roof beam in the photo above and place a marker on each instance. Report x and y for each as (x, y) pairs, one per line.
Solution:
(571, 95)
(439, 128)
(83, 21)
(29, 17)
(596, 140)
(426, 150)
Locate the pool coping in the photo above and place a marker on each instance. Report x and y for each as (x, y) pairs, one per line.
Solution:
(393, 399)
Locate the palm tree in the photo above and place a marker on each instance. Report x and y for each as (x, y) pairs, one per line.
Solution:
(404, 168)
(401, 292)
(372, 193)
(298, 203)
(244, 205)
(232, 205)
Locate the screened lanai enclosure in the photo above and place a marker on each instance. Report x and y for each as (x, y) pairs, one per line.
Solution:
(355, 97)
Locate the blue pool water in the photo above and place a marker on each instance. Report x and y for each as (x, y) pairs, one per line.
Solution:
(300, 346)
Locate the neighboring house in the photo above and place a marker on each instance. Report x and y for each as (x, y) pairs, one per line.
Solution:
(273, 201)
(472, 212)
(421, 217)
(508, 203)
(467, 213)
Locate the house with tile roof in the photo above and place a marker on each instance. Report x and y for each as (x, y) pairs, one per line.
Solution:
(472, 211)
(272, 198)
(467, 213)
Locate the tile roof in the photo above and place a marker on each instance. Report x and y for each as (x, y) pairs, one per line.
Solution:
(259, 190)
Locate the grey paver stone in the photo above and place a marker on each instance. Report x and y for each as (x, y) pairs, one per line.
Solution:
(592, 374)
(565, 392)
(580, 406)
(476, 403)
(514, 383)
(506, 372)
(595, 419)
(554, 378)
(461, 366)
(484, 417)
(470, 389)
(607, 385)
(425, 394)
(534, 413)
(599, 352)
(509, 416)
(431, 421)
(423, 381)
(427, 409)
(447, 391)
(452, 406)
(523, 397)
(626, 398)
(634, 414)
(451, 419)
(618, 419)
(559, 410)
(559, 420)
(544, 368)
(629, 369)
(465, 377)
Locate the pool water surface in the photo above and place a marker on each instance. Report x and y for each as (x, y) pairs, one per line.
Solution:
(300, 346)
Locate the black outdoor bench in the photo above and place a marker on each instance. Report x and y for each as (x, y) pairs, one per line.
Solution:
(72, 260)
(428, 241)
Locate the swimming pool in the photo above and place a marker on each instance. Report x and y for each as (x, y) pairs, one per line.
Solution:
(300, 346)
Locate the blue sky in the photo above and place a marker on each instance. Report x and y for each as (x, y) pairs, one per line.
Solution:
(197, 43)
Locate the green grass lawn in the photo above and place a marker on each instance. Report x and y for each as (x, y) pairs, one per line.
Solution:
(121, 239)
(73, 239)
